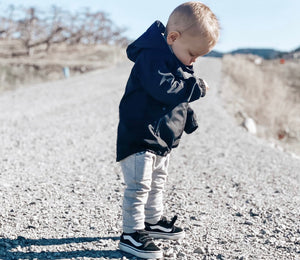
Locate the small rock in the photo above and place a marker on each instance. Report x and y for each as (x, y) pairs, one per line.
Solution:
(277, 230)
(220, 256)
(181, 254)
(199, 250)
(263, 232)
(270, 241)
(75, 221)
(253, 213)
(250, 125)
(238, 214)
(31, 227)
(222, 242)
(169, 252)
(247, 222)
(208, 250)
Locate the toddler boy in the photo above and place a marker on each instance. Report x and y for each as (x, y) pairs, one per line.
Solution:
(154, 113)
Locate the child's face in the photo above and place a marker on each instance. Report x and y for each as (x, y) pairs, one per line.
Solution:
(187, 48)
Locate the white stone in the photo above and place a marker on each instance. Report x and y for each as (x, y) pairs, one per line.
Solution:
(250, 125)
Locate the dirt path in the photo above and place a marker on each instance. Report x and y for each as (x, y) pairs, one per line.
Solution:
(61, 190)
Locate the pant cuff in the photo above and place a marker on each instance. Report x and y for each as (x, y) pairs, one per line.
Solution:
(152, 221)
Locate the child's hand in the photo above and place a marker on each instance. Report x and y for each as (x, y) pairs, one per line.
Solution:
(206, 85)
(203, 86)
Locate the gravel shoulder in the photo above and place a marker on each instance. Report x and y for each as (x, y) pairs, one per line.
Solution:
(61, 189)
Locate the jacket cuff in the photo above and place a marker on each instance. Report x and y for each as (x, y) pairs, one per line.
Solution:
(202, 87)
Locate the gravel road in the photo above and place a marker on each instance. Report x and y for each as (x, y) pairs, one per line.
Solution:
(61, 190)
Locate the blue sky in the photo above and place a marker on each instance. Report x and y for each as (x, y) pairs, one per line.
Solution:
(254, 24)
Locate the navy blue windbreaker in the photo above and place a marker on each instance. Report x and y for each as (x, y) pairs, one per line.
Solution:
(154, 109)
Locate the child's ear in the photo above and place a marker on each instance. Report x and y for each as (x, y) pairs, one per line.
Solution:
(172, 37)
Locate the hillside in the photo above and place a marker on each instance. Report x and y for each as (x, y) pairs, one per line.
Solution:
(264, 53)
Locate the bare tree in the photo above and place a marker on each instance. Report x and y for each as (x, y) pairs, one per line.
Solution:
(35, 29)
(7, 26)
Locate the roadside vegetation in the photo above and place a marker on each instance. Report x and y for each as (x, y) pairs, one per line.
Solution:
(268, 91)
(36, 45)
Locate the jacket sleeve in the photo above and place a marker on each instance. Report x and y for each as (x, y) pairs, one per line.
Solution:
(165, 86)
(191, 121)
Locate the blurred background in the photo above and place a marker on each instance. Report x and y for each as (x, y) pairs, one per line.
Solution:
(245, 24)
(259, 48)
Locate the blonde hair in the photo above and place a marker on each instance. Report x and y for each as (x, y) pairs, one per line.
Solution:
(195, 18)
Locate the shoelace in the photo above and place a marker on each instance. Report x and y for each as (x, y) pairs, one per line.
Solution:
(169, 223)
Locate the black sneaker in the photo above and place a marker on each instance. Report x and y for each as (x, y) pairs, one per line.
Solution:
(139, 244)
(165, 229)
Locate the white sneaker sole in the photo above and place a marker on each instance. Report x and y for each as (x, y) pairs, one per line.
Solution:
(170, 236)
(139, 253)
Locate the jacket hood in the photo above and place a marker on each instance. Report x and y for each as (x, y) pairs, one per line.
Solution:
(153, 38)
